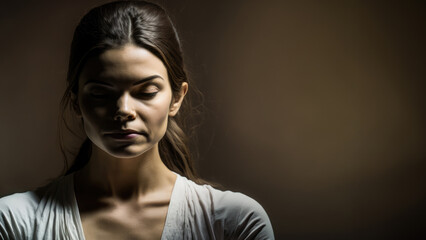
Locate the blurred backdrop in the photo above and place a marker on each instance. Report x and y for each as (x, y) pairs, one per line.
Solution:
(314, 108)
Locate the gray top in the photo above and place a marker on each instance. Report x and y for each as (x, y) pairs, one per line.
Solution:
(195, 212)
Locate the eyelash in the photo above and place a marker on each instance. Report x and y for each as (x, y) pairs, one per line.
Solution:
(148, 95)
(149, 91)
(97, 95)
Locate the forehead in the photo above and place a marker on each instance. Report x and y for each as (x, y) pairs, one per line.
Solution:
(126, 64)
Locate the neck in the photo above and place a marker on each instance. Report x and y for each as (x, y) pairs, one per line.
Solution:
(124, 178)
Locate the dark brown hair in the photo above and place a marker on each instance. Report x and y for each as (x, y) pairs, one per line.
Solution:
(148, 26)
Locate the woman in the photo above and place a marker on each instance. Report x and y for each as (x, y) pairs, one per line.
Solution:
(132, 178)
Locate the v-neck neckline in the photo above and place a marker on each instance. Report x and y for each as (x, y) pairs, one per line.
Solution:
(171, 209)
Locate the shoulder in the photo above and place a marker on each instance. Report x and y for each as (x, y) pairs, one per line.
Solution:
(240, 216)
(244, 216)
(17, 199)
(17, 213)
(18, 203)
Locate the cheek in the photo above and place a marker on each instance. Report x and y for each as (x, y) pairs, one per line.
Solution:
(93, 108)
(158, 115)
(93, 115)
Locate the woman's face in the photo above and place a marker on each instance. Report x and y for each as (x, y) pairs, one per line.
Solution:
(125, 99)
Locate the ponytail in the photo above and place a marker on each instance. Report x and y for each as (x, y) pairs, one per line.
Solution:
(82, 157)
(174, 151)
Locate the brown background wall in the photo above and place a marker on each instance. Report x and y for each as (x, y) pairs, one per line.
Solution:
(315, 108)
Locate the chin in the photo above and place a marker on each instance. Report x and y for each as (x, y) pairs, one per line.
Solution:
(129, 151)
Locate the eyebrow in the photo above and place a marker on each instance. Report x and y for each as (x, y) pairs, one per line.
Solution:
(146, 79)
(134, 84)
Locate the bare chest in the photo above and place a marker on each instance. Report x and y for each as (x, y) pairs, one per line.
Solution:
(125, 223)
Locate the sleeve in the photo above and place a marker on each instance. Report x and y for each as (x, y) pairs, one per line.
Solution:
(8, 226)
(16, 214)
(3, 232)
(244, 218)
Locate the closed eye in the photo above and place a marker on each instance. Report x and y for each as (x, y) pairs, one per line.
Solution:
(147, 92)
(99, 92)
(146, 95)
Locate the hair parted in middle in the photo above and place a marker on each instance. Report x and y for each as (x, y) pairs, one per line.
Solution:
(146, 25)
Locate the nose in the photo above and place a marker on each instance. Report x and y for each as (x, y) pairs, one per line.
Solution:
(125, 111)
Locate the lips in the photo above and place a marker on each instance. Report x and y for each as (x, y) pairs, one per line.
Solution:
(126, 134)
